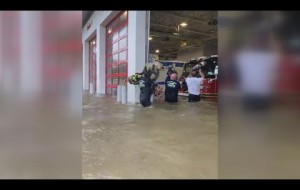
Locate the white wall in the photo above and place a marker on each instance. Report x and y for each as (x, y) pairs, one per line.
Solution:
(136, 49)
(1, 58)
(30, 61)
(85, 65)
(101, 65)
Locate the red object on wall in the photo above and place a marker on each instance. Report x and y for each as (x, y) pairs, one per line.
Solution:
(210, 86)
(92, 63)
(116, 52)
(288, 76)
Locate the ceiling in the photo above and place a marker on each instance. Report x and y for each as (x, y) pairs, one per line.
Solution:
(201, 30)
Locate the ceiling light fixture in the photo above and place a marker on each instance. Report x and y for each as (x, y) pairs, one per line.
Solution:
(157, 51)
(150, 38)
(183, 24)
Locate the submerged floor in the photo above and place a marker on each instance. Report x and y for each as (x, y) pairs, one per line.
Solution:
(163, 141)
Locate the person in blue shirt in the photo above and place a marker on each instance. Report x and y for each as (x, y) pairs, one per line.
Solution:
(171, 88)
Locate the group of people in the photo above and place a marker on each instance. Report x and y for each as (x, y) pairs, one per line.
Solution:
(193, 81)
(147, 85)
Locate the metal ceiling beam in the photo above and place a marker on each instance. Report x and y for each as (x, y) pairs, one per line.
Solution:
(159, 33)
(194, 43)
(190, 46)
(182, 29)
(176, 43)
(186, 17)
(211, 38)
(166, 34)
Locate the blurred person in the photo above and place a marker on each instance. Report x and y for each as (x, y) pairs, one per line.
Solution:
(266, 132)
(256, 64)
(183, 85)
(171, 88)
(194, 85)
(171, 70)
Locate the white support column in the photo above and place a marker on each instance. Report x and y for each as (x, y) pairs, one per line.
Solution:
(137, 23)
(85, 65)
(101, 59)
(1, 54)
(31, 55)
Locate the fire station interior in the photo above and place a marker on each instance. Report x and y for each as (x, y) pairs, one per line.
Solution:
(172, 32)
(188, 37)
(163, 141)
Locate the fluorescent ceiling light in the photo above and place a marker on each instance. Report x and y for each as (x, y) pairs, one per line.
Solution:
(183, 24)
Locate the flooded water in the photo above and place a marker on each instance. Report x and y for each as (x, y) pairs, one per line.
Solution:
(162, 141)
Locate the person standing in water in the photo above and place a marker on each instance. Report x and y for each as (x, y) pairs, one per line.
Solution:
(172, 86)
(194, 85)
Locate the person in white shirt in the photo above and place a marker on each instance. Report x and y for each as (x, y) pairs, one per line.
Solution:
(194, 85)
(257, 63)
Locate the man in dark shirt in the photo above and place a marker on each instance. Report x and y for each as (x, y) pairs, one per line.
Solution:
(171, 88)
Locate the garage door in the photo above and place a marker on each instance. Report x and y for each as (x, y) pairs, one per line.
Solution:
(116, 52)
